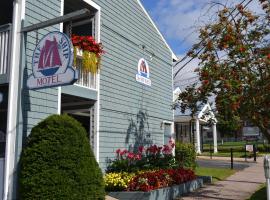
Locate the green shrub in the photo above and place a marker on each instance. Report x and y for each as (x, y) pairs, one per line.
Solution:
(58, 163)
(185, 155)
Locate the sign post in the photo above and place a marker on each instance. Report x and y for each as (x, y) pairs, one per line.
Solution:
(267, 174)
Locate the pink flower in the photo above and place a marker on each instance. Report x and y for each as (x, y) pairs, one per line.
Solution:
(166, 149)
(130, 155)
(141, 148)
(138, 157)
(118, 151)
(172, 142)
(123, 152)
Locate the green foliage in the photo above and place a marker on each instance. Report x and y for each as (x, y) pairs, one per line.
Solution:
(234, 65)
(218, 174)
(228, 125)
(185, 155)
(149, 158)
(261, 193)
(58, 163)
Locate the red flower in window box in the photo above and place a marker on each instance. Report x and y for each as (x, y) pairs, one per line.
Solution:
(92, 52)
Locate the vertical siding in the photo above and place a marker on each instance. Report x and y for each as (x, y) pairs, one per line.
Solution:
(37, 104)
(129, 111)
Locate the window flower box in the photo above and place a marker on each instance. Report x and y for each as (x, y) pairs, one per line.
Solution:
(87, 49)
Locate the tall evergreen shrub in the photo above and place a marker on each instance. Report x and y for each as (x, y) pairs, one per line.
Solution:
(58, 163)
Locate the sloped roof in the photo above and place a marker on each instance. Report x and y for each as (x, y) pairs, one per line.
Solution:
(203, 115)
(173, 54)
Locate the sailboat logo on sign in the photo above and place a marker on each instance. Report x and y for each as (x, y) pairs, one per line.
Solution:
(143, 75)
(49, 60)
(52, 62)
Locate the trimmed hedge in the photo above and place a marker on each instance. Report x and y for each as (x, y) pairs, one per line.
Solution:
(185, 155)
(58, 163)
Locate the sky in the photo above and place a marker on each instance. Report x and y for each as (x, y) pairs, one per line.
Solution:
(178, 21)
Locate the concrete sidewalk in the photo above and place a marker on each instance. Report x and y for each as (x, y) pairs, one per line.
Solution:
(239, 186)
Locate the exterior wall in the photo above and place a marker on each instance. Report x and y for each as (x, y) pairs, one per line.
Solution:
(37, 104)
(34, 105)
(131, 113)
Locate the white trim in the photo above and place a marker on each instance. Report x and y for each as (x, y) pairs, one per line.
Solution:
(173, 55)
(59, 88)
(201, 113)
(198, 136)
(97, 36)
(93, 4)
(214, 129)
(78, 85)
(13, 97)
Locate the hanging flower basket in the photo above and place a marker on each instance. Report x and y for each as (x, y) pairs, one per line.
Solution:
(91, 52)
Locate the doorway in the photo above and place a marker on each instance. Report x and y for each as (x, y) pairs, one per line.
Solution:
(167, 132)
(84, 111)
(3, 127)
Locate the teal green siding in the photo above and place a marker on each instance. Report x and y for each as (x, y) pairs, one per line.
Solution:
(33, 105)
(130, 113)
(37, 104)
(128, 109)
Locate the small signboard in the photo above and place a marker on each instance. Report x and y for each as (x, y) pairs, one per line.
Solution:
(249, 147)
(143, 75)
(52, 62)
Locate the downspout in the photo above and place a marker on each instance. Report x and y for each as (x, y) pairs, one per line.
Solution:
(14, 74)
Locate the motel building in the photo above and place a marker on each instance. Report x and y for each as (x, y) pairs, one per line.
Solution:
(124, 103)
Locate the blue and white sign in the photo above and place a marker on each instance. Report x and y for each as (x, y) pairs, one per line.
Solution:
(52, 62)
(143, 75)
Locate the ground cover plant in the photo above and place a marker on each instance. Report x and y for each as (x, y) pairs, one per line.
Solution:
(217, 174)
(261, 193)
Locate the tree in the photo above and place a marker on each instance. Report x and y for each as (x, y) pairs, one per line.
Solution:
(234, 67)
(58, 163)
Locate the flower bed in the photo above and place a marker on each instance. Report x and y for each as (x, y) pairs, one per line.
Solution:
(148, 172)
(148, 180)
(144, 158)
(167, 193)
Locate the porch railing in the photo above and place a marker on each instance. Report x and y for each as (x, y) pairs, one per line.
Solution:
(5, 40)
(85, 79)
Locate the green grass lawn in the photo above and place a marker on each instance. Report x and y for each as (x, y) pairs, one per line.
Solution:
(217, 173)
(238, 149)
(260, 194)
(228, 154)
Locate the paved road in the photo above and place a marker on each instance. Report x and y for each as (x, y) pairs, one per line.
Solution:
(223, 164)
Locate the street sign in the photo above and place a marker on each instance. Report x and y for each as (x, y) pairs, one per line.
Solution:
(249, 147)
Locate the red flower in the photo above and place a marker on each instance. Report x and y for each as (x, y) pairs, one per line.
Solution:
(141, 148)
(87, 43)
(130, 155)
(123, 152)
(161, 178)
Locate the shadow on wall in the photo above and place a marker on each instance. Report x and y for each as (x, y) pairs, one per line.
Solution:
(139, 130)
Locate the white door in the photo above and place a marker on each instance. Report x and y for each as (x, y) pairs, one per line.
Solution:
(167, 132)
